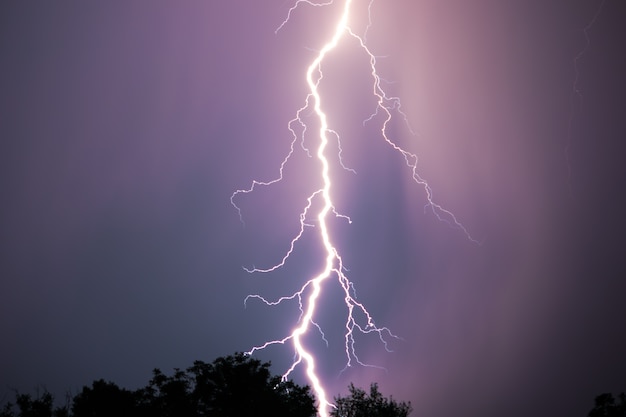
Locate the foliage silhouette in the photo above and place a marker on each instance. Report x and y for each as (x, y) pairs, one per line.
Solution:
(605, 406)
(233, 386)
(360, 404)
(27, 406)
(103, 399)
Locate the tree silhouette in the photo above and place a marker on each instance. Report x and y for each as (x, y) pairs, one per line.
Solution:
(166, 396)
(360, 404)
(605, 406)
(236, 385)
(233, 386)
(103, 399)
(242, 386)
(42, 406)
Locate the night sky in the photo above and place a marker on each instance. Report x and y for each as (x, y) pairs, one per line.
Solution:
(125, 127)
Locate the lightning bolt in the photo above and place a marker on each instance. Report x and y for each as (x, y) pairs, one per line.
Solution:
(310, 293)
(576, 94)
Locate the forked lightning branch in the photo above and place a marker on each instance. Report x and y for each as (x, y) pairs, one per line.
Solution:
(319, 209)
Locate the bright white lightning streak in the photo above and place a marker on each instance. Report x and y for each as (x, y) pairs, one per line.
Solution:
(309, 294)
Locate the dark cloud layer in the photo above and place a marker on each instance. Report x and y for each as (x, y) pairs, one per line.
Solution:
(126, 127)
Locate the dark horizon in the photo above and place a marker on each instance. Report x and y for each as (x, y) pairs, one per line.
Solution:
(127, 127)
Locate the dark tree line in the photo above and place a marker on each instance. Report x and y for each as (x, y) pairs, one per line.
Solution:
(232, 386)
(235, 385)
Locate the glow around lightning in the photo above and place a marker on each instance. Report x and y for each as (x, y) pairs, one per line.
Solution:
(310, 295)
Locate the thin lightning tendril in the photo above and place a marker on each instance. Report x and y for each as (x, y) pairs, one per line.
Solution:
(576, 94)
(309, 294)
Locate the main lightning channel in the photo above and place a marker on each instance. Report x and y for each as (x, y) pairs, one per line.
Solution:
(310, 292)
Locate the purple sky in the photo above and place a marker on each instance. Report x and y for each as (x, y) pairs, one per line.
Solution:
(126, 126)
